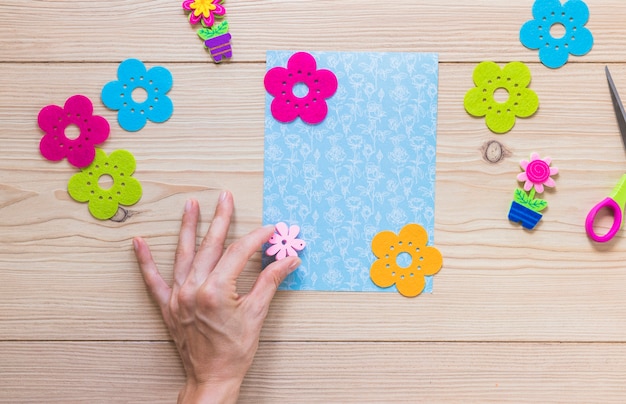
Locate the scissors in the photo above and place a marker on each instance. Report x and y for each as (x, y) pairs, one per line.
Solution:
(616, 202)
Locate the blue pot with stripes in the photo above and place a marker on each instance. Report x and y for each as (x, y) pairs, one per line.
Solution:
(526, 216)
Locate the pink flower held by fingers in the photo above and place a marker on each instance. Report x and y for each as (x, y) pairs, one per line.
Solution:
(284, 242)
(537, 173)
(301, 70)
(77, 112)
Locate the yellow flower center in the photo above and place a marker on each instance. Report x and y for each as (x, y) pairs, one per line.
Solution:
(203, 7)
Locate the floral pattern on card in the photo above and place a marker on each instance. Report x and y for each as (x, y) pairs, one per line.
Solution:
(369, 166)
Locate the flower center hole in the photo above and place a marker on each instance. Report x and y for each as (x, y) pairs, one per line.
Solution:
(105, 181)
(501, 95)
(300, 90)
(72, 131)
(557, 30)
(404, 260)
(139, 95)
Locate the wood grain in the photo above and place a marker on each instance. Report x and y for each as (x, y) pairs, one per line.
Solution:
(156, 29)
(515, 315)
(149, 372)
(493, 270)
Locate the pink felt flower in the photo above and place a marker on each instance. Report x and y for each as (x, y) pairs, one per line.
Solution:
(204, 10)
(284, 242)
(78, 113)
(537, 173)
(316, 86)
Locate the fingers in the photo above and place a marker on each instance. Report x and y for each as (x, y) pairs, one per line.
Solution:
(186, 248)
(212, 246)
(238, 253)
(270, 278)
(158, 288)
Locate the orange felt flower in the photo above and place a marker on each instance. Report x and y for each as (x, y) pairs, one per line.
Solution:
(404, 260)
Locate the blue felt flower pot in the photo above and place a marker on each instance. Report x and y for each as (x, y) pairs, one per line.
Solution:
(527, 217)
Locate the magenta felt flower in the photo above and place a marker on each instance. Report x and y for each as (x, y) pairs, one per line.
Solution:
(284, 242)
(56, 122)
(204, 10)
(537, 173)
(316, 86)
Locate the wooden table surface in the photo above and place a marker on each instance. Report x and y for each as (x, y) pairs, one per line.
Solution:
(516, 316)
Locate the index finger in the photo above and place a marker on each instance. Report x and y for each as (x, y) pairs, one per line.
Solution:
(238, 253)
(269, 280)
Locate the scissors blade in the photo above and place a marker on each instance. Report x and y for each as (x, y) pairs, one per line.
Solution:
(617, 105)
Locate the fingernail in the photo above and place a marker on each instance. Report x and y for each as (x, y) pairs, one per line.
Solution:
(295, 264)
(188, 205)
(267, 227)
(135, 244)
(223, 196)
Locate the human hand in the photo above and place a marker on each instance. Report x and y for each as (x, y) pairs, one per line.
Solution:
(216, 330)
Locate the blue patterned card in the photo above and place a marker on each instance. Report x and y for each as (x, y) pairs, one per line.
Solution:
(369, 166)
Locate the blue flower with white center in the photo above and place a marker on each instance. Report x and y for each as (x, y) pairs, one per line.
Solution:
(139, 95)
(557, 30)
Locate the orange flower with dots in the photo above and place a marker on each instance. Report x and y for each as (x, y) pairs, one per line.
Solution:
(404, 260)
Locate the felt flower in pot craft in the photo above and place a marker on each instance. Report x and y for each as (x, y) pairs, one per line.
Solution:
(557, 30)
(525, 207)
(511, 81)
(284, 242)
(204, 10)
(217, 41)
(301, 74)
(404, 260)
(104, 200)
(55, 121)
(135, 81)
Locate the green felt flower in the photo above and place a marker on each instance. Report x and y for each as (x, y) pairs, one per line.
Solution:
(103, 200)
(512, 80)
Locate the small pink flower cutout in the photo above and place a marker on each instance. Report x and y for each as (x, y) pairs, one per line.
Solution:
(301, 70)
(537, 173)
(284, 242)
(77, 112)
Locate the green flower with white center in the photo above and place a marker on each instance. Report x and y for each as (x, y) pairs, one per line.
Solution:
(513, 80)
(104, 201)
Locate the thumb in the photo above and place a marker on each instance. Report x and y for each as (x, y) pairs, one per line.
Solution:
(270, 278)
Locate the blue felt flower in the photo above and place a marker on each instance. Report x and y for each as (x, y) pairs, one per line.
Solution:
(139, 95)
(542, 33)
